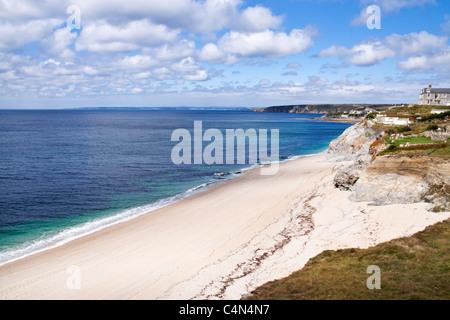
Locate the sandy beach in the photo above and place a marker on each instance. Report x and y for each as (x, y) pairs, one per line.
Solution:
(218, 244)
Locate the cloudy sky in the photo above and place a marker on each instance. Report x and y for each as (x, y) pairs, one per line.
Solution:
(87, 53)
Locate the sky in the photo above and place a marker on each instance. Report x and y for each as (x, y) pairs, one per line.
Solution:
(220, 53)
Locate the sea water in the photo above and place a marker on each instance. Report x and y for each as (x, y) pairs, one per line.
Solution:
(68, 173)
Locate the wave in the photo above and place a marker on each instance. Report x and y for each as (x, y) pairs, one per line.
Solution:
(46, 242)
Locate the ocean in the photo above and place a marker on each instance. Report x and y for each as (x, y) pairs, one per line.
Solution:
(68, 173)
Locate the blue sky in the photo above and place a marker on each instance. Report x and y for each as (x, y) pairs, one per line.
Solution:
(219, 52)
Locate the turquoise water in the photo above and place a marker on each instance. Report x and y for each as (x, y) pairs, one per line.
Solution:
(67, 173)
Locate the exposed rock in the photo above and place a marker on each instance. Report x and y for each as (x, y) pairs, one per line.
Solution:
(353, 144)
(346, 178)
(400, 180)
(222, 174)
(439, 195)
(437, 135)
(388, 179)
(378, 146)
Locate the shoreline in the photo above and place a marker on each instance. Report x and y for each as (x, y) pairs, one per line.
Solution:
(338, 120)
(219, 243)
(98, 224)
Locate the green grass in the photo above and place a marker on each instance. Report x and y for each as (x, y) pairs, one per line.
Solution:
(416, 128)
(416, 267)
(412, 140)
(432, 152)
(415, 110)
(432, 117)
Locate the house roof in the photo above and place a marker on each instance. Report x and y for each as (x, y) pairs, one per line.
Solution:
(439, 90)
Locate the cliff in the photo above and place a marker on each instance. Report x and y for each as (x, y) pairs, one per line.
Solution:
(388, 179)
(401, 180)
(318, 108)
(353, 144)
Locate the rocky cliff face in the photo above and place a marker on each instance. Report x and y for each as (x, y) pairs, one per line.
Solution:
(353, 144)
(388, 179)
(400, 179)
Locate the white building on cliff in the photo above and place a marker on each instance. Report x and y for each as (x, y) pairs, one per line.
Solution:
(430, 96)
(396, 121)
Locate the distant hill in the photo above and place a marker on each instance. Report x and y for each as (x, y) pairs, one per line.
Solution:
(181, 108)
(322, 108)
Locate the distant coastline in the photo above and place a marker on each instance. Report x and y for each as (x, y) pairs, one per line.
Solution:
(322, 108)
(341, 120)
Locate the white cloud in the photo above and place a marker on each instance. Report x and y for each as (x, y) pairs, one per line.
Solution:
(137, 90)
(293, 65)
(186, 65)
(212, 54)
(142, 75)
(361, 19)
(439, 62)
(213, 15)
(190, 70)
(177, 50)
(267, 43)
(334, 51)
(368, 54)
(138, 62)
(193, 15)
(290, 73)
(14, 36)
(256, 19)
(57, 44)
(90, 71)
(199, 75)
(103, 37)
(20, 11)
(374, 51)
(414, 43)
(236, 46)
(394, 5)
(145, 66)
(446, 25)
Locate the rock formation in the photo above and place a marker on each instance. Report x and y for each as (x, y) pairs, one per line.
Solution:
(388, 179)
(400, 179)
(353, 144)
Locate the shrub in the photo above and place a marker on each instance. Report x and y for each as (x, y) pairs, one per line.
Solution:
(440, 116)
(371, 116)
(404, 129)
(391, 147)
(432, 127)
(390, 131)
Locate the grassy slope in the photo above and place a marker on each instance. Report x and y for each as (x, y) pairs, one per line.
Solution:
(431, 152)
(416, 128)
(416, 267)
(417, 110)
(412, 140)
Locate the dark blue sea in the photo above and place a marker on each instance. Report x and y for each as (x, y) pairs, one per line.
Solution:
(67, 173)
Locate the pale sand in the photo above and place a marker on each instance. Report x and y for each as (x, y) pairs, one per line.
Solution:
(219, 244)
